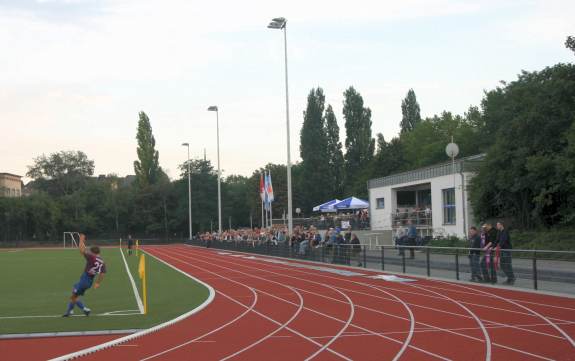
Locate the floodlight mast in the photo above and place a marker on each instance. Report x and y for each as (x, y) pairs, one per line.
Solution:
(189, 192)
(280, 23)
(214, 108)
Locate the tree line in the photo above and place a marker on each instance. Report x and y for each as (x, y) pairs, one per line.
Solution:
(526, 129)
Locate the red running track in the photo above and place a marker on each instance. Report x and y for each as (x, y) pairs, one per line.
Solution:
(287, 311)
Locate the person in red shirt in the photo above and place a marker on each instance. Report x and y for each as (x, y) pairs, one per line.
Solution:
(95, 268)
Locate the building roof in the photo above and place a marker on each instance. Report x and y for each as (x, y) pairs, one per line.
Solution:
(467, 164)
(10, 174)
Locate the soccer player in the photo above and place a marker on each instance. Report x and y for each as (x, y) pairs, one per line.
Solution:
(95, 268)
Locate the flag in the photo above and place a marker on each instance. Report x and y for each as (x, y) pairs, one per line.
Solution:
(270, 189)
(262, 190)
(142, 267)
(142, 272)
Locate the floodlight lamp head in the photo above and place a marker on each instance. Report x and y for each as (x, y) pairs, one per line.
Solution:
(213, 108)
(185, 144)
(277, 23)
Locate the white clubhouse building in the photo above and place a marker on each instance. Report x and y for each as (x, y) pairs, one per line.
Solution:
(434, 198)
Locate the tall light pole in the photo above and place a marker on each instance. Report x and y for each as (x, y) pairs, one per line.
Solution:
(280, 23)
(214, 108)
(189, 191)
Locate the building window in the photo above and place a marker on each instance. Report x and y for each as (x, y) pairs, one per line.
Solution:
(449, 206)
(380, 203)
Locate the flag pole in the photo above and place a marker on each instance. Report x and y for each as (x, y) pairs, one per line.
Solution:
(270, 202)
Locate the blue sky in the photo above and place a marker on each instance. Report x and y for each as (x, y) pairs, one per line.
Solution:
(76, 73)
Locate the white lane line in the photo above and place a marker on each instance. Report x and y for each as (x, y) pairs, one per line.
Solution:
(458, 314)
(194, 256)
(282, 326)
(565, 335)
(134, 288)
(481, 325)
(255, 311)
(198, 339)
(488, 295)
(399, 317)
(128, 338)
(342, 330)
(442, 311)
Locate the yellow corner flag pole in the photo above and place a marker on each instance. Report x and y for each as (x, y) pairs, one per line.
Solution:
(142, 271)
(137, 247)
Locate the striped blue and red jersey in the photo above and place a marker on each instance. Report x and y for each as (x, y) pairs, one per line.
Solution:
(94, 264)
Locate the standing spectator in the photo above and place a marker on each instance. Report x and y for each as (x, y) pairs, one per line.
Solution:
(488, 261)
(356, 249)
(399, 238)
(130, 244)
(504, 241)
(474, 253)
(411, 238)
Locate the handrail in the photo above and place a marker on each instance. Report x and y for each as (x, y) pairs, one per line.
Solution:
(475, 249)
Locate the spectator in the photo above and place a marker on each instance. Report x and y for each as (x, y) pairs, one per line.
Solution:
(504, 241)
(488, 261)
(399, 238)
(474, 253)
(411, 238)
(356, 249)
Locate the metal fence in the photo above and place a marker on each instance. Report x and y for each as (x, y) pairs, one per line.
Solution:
(533, 269)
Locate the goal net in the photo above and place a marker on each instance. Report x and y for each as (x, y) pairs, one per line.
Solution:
(71, 239)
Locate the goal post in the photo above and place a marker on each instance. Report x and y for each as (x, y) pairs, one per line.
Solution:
(71, 239)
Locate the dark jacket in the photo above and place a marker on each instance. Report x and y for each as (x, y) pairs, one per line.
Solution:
(475, 242)
(503, 239)
(491, 237)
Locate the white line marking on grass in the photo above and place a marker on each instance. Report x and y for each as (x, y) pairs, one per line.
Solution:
(112, 313)
(67, 333)
(136, 293)
(121, 340)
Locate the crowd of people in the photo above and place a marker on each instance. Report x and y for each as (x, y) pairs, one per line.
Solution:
(358, 219)
(489, 248)
(343, 246)
(418, 215)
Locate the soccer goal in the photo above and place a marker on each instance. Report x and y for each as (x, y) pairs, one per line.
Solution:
(71, 239)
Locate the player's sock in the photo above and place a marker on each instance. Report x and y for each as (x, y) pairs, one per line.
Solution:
(80, 304)
(70, 308)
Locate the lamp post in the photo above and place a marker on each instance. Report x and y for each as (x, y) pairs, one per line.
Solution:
(189, 191)
(280, 24)
(214, 108)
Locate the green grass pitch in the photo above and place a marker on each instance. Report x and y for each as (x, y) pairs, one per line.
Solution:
(39, 283)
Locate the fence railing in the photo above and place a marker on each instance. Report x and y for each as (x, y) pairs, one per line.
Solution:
(534, 269)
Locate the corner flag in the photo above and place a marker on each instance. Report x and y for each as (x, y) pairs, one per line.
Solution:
(142, 272)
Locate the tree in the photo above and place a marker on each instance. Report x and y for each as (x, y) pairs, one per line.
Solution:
(570, 43)
(425, 145)
(334, 155)
(204, 182)
(528, 127)
(61, 173)
(147, 167)
(359, 144)
(313, 150)
(410, 112)
(388, 157)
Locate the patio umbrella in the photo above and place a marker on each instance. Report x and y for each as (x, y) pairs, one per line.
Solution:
(351, 203)
(326, 207)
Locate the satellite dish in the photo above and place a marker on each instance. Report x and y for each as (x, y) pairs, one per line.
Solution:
(452, 150)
